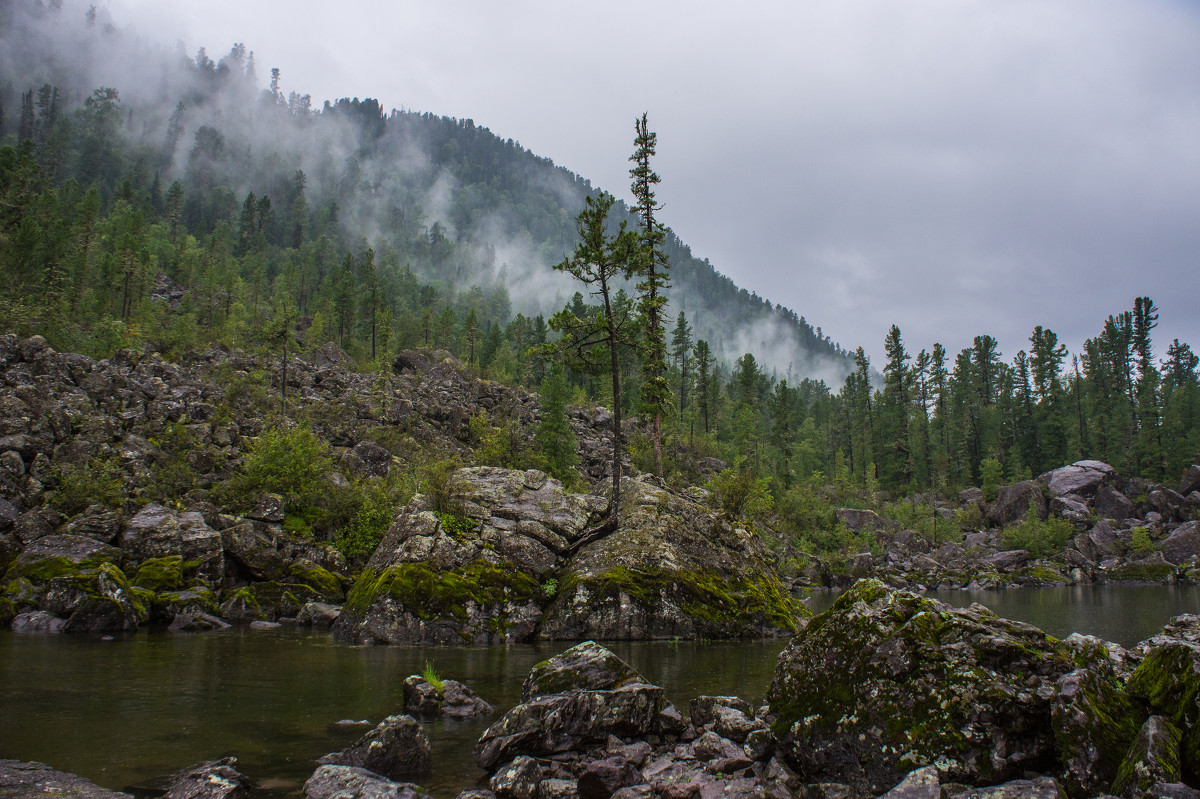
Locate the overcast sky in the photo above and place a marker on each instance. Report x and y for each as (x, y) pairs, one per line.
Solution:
(954, 167)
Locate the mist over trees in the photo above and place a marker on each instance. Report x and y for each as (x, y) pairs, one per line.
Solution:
(165, 199)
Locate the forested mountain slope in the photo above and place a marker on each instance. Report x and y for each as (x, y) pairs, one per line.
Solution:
(194, 147)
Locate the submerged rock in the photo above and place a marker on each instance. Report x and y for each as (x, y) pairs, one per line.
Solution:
(887, 681)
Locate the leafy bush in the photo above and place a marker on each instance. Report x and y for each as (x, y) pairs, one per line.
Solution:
(379, 500)
(293, 463)
(439, 482)
(741, 496)
(100, 482)
(1040, 538)
(924, 519)
(991, 475)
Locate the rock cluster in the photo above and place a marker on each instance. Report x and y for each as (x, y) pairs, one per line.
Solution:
(504, 569)
(1119, 530)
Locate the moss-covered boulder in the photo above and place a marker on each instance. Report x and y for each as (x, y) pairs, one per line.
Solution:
(95, 600)
(585, 666)
(266, 601)
(60, 556)
(266, 552)
(1153, 758)
(1168, 682)
(1095, 720)
(888, 681)
(674, 569)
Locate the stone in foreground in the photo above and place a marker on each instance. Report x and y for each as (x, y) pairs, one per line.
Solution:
(20, 780)
(888, 681)
(348, 782)
(213, 779)
(397, 747)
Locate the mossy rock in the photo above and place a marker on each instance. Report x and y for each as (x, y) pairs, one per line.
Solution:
(1095, 722)
(1168, 682)
(481, 602)
(715, 604)
(95, 600)
(320, 579)
(165, 605)
(1153, 758)
(1140, 573)
(8, 611)
(160, 574)
(584, 667)
(430, 594)
(61, 556)
(267, 601)
(888, 681)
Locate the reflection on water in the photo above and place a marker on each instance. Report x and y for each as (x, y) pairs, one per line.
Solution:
(127, 712)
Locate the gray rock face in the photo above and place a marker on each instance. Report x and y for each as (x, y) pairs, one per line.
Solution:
(1183, 545)
(1084, 478)
(1039, 788)
(602, 778)
(1112, 504)
(397, 747)
(348, 782)
(924, 783)
(214, 779)
(37, 621)
(1014, 502)
(39, 781)
(1191, 480)
(887, 678)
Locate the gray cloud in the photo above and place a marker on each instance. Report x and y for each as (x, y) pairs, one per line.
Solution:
(954, 167)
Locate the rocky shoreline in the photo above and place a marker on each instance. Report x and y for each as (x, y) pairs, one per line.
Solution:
(886, 694)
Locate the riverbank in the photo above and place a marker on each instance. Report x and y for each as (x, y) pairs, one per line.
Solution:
(182, 698)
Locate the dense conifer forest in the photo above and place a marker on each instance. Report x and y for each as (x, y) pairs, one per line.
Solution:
(200, 208)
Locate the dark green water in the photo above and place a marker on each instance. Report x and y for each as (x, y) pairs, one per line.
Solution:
(125, 713)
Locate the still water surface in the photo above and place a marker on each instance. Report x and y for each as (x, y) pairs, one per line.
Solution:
(127, 712)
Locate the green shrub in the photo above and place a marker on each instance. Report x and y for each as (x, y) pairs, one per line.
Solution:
(293, 463)
(741, 496)
(380, 499)
(991, 474)
(1140, 542)
(100, 482)
(1040, 538)
(924, 519)
(431, 676)
(439, 482)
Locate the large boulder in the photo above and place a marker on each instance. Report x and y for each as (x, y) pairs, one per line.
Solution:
(1014, 503)
(1183, 545)
(1084, 478)
(1153, 759)
(20, 780)
(397, 747)
(268, 553)
(674, 568)
(585, 666)
(1167, 681)
(887, 681)
(546, 724)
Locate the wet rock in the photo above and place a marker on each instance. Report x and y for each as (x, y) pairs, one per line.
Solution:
(1071, 507)
(602, 778)
(397, 747)
(37, 621)
(517, 780)
(1191, 480)
(153, 532)
(96, 600)
(1084, 478)
(703, 710)
(1167, 681)
(270, 554)
(561, 789)
(97, 522)
(60, 555)
(585, 666)
(318, 614)
(673, 569)
(214, 779)
(1014, 502)
(349, 782)
(1095, 722)
(39, 781)
(197, 622)
(459, 701)
(1153, 758)
(564, 722)
(889, 679)
(1112, 504)
(711, 746)
(421, 697)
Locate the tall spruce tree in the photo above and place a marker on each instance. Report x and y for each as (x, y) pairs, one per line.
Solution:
(651, 266)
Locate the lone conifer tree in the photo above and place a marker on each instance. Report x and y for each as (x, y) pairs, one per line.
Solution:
(599, 259)
(651, 266)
